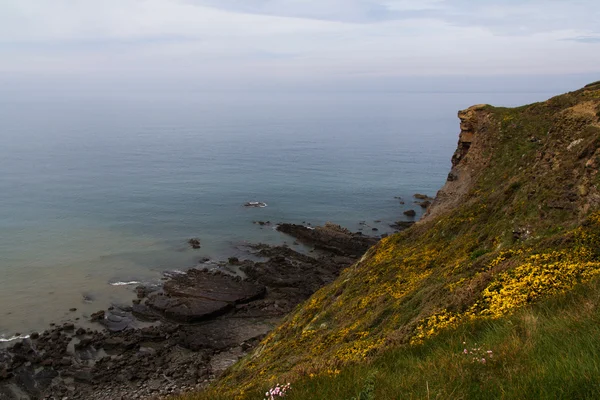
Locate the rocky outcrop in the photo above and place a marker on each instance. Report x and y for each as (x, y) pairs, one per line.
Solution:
(331, 238)
(467, 162)
(201, 295)
(204, 321)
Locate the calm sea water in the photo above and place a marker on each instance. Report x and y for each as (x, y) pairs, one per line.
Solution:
(102, 189)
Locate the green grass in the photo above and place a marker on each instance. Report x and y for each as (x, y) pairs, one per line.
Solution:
(524, 204)
(547, 351)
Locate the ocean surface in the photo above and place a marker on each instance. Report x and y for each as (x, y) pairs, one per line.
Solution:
(100, 190)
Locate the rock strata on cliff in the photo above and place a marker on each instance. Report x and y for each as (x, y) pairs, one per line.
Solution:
(467, 161)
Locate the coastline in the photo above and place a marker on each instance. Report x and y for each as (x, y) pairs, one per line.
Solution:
(180, 335)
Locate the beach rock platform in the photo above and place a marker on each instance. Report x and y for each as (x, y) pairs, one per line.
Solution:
(331, 238)
(198, 324)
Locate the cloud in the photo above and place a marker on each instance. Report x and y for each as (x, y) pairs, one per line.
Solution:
(296, 40)
(584, 39)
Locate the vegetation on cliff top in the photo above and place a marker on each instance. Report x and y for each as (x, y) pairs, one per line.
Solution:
(510, 268)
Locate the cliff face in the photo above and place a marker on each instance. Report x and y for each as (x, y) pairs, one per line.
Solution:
(516, 222)
(466, 164)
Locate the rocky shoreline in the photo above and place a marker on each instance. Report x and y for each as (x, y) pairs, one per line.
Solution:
(198, 324)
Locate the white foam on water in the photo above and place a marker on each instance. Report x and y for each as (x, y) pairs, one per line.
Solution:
(3, 340)
(125, 283)
(172, 273)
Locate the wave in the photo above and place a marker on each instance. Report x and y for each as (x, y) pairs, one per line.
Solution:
(125, 283)
(3, 340)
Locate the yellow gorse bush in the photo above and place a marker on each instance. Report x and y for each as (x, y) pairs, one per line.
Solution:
(539, 275)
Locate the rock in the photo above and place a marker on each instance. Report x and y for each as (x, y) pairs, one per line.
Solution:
(262, 223)
(213, 286)
(194, 243)
(83, 343)
(68, 326)
(97, 316)
(187, 309)
(424, 204)
(84, 376)
(233, 260)
(112, 343)
(34, 335)
(4, 374)
(421, 196)
(73, 309)
(402, 225)
(410, 213)
(332, 238)
(144, 290)
(144, 313)
(255, 204)
(80, 332)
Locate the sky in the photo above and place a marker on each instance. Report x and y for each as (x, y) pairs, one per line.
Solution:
(297, 42)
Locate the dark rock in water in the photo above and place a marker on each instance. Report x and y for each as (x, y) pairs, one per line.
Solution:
(118, 318)
(424, 204)
(72, 309)
(262, 223)
(194, 243)
(256, 204)
(87, 298)
(68, 326)
(402, 225)
(421, 196)
(233, 260)
(410, 213)
(332, 238)
(97, 316)
(144, 290)
(374, 229)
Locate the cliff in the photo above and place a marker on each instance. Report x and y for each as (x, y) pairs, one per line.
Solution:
(507, 257)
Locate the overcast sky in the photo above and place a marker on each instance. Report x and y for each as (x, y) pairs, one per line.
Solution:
(297, 40)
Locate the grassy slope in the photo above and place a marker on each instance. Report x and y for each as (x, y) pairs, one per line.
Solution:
(397, 319)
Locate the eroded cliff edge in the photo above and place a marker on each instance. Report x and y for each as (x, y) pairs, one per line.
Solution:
(516, 222)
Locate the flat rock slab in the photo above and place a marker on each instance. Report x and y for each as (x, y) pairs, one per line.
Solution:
(224, 333)
(187, 309)
(331, 238)
(213, 286)
(201, 295)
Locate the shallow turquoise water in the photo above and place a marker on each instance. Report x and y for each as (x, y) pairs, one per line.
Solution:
(100, 189)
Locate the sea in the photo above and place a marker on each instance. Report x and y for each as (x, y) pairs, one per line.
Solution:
(99, 193)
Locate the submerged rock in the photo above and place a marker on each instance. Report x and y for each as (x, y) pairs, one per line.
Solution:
(410, 213)
(257, 204)
(194, 243)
